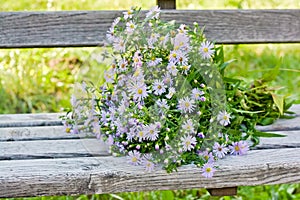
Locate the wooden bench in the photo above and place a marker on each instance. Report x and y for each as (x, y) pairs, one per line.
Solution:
(37, 158)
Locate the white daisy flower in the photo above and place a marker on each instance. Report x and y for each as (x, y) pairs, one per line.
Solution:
(220, 150)
(182, 58)
(128, 14)
(206, 50)
(168, 79)
(153, 38)
(130, 26)
(134, 157)
(119, 45)
(172, 91)
(115, 22)
(109, 76)
(110, 35)
(141, 133)
(151, 132)
(153, 12)
(181, 40)
(162, 104)
(182, 28)
(185, 69)
(159, 87)
(172, 68)
(173, 57)
(123, 65)
(196, 94)
(224, 118)
(154, 61)
(188, 142)
(188, 126)
(186, 105)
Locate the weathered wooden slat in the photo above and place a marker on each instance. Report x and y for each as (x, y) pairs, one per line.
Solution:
(109, 175)
(292, 140)
(20, 150)
(80, 147)
(23, 120)
(38, 133)
(88, 28)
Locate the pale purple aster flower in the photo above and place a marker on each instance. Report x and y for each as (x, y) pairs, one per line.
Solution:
(116, 21)
(139, 91)
(110, 35)
(130, 134)
(188, 126)
(172, 68)
(196, 94)
(208, 156)
(208, 170)
(167, 79)
(123, 64)
(141, 133)
(220, 150)
(159, 87)
(137, 59)
(223, 118)
(128, 14)
(171, 92)
(182, 58)
(110, 140)
(119, 45)
(181, 40)
(185, 69)
(151, 132)
(147, 163)
(186, 105)
(153, 12)
(182, 28)
(109, 76)
(163, 104)
(206, 50)
(154, 61)
(239, 148)
(130, 27)
(174, 55)
(188, 142)
(153, 38)
(135, 157)
(164, 39)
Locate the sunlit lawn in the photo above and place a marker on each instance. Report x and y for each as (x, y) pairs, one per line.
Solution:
(41, 80)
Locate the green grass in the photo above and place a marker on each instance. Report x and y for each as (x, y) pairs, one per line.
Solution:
(41, 80)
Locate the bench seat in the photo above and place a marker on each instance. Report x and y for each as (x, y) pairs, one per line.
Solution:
(38, 158)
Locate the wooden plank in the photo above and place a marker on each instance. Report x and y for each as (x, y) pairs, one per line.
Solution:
(82, 147)
(88, 28)
(166, 4)
(91, 175)
(23, 120)
(21, 150)
(38, 133)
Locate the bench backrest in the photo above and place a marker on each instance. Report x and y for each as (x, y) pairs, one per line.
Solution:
(88, 28)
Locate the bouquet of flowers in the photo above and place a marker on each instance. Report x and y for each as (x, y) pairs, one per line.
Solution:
(166, 100)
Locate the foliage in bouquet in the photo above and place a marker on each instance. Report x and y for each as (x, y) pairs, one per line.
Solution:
(166, 100)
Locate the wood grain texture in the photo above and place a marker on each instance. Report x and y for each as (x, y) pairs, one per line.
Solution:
(20, 150)
(38, 133)
(88, 28)
(23, 120)
(91, 175)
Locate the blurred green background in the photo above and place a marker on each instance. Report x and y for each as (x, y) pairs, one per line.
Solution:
(41, 80)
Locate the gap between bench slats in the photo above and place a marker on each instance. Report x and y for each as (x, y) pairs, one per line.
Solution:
(88, 28)
(106, 175)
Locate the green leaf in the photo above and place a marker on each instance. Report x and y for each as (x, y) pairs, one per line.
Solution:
(266, 134)
(167, 194)
(272, 74)
(266, 121)
(279, 102)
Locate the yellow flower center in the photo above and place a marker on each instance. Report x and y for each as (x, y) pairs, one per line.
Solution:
(187, 104)
(205, 49)
(208, 169)
(225, 117)
(159, 87)
(141, 133)
(151, 132)
(185, 67)
(236, 148)
(134, 159)
(140, 91)
(187, 143)
(68, 130)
